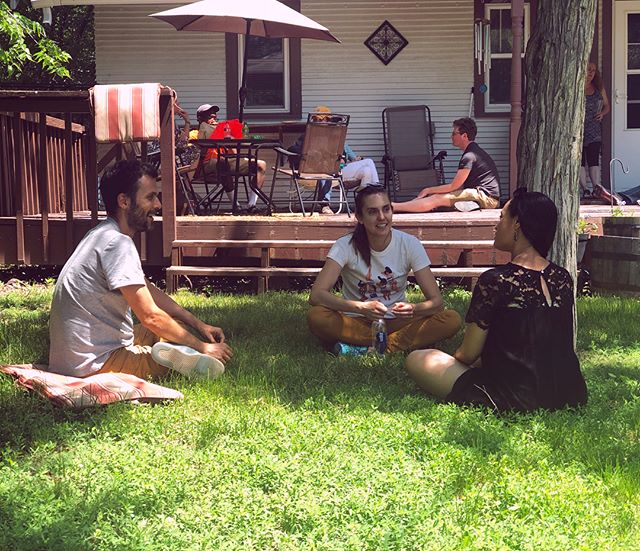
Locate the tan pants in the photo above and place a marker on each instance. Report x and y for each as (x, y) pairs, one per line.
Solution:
(474, 194)
(403, 334)
(136, 359)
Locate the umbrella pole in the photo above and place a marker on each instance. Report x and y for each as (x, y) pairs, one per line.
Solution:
(242, 93)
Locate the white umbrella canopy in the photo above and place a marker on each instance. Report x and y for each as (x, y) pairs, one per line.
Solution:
(267, 18)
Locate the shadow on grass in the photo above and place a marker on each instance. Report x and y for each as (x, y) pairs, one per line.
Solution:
(277, 359)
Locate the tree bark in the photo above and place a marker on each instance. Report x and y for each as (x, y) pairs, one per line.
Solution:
(550, 139)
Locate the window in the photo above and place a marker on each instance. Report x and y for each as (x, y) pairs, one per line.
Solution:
(267, 74)
(274, 75)
(493, 75)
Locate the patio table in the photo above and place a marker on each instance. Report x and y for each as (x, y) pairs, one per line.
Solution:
(280, 128)
(233, 150)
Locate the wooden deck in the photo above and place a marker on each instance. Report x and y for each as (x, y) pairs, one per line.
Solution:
(445, 226)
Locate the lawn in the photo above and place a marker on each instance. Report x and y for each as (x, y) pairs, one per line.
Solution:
(296, 449)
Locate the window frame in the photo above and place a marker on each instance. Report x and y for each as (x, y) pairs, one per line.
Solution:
(293, 89)
(250, 111)
(482, 9)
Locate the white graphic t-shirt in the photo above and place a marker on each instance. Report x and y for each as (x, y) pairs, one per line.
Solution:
(386, 279)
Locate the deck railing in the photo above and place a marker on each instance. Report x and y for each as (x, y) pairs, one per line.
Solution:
(49, 165)
(42, 141)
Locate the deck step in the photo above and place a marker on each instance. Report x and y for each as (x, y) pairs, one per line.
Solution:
(270, 271)
(470, 244)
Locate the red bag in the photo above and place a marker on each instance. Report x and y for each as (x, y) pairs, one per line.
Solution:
(227, 129)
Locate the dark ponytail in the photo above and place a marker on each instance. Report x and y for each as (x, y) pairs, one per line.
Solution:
(359, 238)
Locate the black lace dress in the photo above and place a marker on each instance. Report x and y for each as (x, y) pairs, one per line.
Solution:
(528, 360)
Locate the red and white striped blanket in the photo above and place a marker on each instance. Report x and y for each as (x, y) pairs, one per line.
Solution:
(77, 393)
(126, 112)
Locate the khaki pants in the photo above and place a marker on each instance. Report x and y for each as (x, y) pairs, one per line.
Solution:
(402, 334)
(135, 359)
(474, 194)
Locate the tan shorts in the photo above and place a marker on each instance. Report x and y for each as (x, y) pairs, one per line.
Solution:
(474, 194)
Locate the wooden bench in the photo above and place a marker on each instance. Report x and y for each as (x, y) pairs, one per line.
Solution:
(265, 270)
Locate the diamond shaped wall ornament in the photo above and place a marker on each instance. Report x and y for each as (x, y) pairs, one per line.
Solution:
(386, 42)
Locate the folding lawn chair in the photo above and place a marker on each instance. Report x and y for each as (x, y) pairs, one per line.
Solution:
(409, 161)
(319, 160)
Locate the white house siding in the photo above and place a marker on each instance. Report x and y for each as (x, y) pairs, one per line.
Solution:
(133, 47)
(436, 68)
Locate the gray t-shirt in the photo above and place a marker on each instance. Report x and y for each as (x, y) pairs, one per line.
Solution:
(89, 316)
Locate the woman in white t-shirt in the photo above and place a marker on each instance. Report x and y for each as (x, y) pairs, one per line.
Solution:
(374, 262)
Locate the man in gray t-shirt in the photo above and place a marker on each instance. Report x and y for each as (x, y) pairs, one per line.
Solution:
(91, 325)
(475, 185)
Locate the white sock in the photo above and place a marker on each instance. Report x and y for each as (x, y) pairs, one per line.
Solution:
(253, 199)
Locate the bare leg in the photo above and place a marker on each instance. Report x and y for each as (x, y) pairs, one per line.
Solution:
(434, 371)
(426, 204)
(262, 169)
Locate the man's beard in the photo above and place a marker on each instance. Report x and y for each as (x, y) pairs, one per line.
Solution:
(139, 220)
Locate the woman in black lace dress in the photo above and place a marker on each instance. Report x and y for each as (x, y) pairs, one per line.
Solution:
(519, 324)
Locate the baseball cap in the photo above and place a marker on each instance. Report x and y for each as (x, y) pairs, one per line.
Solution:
(206, 107)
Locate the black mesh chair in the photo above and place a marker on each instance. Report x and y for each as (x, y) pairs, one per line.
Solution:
(409, 161)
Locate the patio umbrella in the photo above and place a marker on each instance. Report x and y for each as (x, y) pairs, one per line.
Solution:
(268, 18)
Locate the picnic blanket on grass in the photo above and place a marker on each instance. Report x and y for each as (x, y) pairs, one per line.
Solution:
(78, 393)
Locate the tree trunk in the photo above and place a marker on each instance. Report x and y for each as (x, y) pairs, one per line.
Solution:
(550, 139)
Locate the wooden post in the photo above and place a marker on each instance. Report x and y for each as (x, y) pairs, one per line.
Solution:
(91, 169)
(68, 182)
(517, 18)
(265, 262)
(19, 189)
(43, 184)
(168, 170)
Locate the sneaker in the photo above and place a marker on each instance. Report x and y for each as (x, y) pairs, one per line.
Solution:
(345, 349)
(466, 206)
(186, 360)
(327, 210)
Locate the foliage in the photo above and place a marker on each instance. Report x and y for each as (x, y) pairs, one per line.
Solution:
(22, 41)
(72, 30)
(585, 226)
(617, 212)
(295, 449)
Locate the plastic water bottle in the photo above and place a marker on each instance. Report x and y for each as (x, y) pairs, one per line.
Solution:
(379, 336)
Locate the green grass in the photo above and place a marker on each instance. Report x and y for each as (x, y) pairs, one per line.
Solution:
(295, 449)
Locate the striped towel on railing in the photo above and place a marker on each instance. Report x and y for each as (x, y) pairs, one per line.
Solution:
(126, 112)
(95, 390)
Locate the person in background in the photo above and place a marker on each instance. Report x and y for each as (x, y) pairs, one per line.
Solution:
(476, 184)
(519, 324)
(596, 106)
(208, 120)
(91, 324)
(374, 262)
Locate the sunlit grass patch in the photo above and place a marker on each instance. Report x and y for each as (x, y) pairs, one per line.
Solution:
(297, 449)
